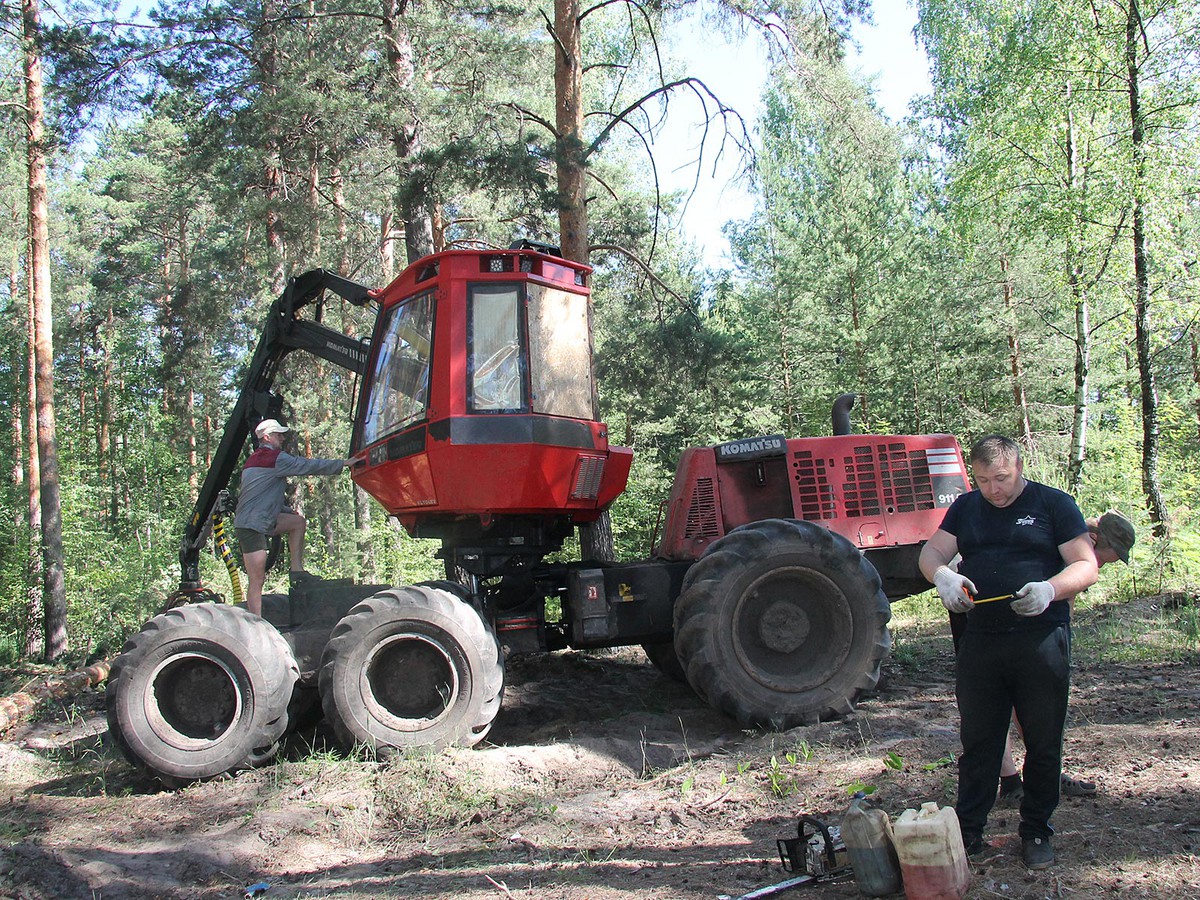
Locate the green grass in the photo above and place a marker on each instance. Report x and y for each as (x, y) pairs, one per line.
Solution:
(914, 621)
(420, 788)
(1115, 621)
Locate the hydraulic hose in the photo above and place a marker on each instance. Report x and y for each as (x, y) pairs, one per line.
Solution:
(222, 547)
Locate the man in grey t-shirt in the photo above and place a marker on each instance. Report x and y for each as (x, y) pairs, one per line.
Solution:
(262, 511)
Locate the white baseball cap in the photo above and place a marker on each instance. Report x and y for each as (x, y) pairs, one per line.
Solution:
(269, 426)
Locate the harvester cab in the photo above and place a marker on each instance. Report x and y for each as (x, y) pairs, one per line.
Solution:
(477, 425)
(477, 422)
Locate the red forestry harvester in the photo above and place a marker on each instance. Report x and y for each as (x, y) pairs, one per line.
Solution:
(768, 591)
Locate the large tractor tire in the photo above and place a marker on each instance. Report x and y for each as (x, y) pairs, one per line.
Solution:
(201, 690)
(412, 666)
(782, 623)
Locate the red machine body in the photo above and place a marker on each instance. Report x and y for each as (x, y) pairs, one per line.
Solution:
(877, 491)
(479, 401)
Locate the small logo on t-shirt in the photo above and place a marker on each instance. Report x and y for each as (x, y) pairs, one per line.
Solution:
(1026, 520)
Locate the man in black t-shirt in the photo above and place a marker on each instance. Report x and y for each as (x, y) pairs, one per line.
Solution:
(1025, 549)
(1112, 536)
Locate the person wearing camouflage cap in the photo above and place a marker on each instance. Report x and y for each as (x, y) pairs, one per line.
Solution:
(1113, 536)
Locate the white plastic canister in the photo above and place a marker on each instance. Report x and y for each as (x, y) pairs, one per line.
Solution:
(932, 859)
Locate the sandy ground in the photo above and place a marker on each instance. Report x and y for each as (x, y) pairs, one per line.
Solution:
(601, 780)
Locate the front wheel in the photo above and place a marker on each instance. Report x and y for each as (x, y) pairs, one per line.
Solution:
(412, 666)
(782, 623)
(201, 690)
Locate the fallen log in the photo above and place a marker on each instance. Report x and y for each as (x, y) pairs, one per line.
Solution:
(16, 706)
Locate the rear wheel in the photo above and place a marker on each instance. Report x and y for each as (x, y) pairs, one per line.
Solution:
(201, 690)
(412, 666)
(782, 623)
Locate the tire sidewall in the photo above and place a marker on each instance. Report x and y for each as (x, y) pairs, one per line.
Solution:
(714, 598)
(425, 613)
(262, 684)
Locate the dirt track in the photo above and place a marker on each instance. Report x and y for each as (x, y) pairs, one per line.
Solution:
(602, 779)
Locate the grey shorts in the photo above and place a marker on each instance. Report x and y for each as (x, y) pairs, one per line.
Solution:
(250, 540)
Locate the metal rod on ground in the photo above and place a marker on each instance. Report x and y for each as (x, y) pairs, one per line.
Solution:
(772, 889)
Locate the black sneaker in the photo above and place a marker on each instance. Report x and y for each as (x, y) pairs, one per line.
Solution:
(1075, 787)
(1037, 853)
(298, 577)
(973, 844)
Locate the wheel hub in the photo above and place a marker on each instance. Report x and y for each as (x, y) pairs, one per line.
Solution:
(409, 682)
(783, 627)
(194, 700)
(792, 628)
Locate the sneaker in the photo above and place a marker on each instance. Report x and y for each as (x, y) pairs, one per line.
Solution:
(1075, 787)
(299, 576)
(1012, 790)
(1037, 853)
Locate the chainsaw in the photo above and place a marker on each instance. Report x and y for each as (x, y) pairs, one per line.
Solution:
(817, 850)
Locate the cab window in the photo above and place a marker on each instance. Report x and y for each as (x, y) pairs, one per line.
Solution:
(399, 387)
(560, 366)
(494, 370)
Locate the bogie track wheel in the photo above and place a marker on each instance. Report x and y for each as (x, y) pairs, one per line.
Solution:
(201, 690)
(782, 623)
(411, 666)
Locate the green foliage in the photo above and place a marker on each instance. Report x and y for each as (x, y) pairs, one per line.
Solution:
(909, 265)
(858, 787)
(781, 782)
(944, 763)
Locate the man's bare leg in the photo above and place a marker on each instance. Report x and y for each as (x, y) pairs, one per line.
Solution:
(293, 525)
(1008, 766)
(256, 574)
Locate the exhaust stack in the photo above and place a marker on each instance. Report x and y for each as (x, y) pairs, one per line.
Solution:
(841, 413)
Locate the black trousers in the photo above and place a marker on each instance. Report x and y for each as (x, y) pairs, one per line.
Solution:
(1025, 671)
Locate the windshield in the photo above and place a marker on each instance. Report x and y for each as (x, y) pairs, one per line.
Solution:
(400, 381)
(560, 359)
(495, 348)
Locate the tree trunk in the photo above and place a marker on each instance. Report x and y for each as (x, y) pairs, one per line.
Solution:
(33, 603)
(595, 539)
(362, 530)
(339, 201)
(1141, 270)
(1196, 380)
(416, 206)
(860, 365)
(39, 264)
(104, 432)
(273, 176)
(568, 108)
(314, 204)
(1083, 357)
(1024, 429)
(785, 365)
(193, 449)
(1083, 336)
(18, 411)
(387, 247)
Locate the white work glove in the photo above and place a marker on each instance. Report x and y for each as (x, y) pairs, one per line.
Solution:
(952, 588)
(1033, 599)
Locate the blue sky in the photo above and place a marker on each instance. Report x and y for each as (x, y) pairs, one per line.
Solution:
(889, 56)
